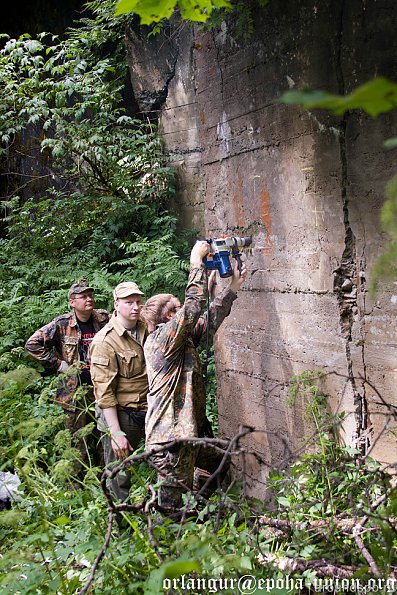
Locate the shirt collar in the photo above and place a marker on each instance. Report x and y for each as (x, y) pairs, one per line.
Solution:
(120, 330)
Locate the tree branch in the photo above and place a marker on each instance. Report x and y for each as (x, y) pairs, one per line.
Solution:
(361, 546)
(100, 555)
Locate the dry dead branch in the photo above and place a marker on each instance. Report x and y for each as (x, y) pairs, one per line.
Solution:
(282, 528)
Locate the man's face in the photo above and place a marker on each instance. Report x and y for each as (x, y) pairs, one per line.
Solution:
(82, 302)
(129, 307)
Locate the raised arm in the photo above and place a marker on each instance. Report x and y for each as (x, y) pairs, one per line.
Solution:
(172, 335)
(220, 307)
(196, 290)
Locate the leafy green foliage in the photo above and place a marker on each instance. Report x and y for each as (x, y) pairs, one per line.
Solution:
(321, 490)
(54, 532)
(101, 214)
(104, 162)
(156, 10)
(95, 203)
(375, 97)
(210, 13)
(328, 487)
(208, 361)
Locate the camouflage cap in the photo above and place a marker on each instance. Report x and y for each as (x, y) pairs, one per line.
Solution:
(125, 289)
(79, 286)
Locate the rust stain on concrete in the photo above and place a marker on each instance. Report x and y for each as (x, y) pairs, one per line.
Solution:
(266, 220)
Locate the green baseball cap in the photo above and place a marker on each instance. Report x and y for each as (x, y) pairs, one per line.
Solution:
(80, 286)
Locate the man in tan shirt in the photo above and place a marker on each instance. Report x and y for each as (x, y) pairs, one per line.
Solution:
(118, 373)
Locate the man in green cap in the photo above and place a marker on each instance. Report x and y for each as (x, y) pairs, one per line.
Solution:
(64, 342)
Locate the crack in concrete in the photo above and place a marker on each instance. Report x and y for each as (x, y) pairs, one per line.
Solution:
(346, 281)
(287, 290)
(154, 101)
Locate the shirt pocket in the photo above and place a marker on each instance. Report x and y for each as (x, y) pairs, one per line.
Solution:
(128, 363)
(70, 349)
(99, 368)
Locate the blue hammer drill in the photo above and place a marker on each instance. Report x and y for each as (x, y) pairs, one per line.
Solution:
(219, 258)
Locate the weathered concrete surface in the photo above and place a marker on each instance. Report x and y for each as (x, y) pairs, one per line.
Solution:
(162, 75)
(308, 187)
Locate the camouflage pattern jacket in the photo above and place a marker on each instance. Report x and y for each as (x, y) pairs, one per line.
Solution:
(59, 341)
(176, 399)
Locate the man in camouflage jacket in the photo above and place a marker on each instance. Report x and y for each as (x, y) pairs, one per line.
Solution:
(176, 399)
(64, 342)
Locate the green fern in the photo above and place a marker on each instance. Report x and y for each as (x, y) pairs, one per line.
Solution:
(105, 219)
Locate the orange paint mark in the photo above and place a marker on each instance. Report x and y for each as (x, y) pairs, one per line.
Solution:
(266, 219)
(265, 211)
(202, 117)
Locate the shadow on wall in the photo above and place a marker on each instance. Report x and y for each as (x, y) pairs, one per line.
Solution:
(250, 362)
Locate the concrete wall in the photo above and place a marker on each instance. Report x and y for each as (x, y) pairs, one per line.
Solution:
(307, 186)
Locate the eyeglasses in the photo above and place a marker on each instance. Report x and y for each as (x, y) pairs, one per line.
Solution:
(89, 296)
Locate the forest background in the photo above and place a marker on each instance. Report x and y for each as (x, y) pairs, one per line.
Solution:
(95, 204)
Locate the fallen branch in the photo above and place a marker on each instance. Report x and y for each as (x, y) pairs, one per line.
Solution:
(222, 446)
(322, 567)
(352, 526)
(243, 431)
(343, 525)
(357, 530)
(148, 504)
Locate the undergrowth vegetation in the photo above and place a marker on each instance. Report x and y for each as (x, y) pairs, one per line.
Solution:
(87, 184)
(304, 531)
(95, 206)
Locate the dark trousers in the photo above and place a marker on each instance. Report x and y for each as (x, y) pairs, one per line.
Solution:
(184, 468)
(133, 424)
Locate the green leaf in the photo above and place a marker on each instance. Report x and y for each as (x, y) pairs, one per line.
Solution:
(390, 143)
(148, 10)
(284, 501)
(174, 569)
(155, 10)
(375, 97)
(169, 571)
(200, 11)
(62, 520)
(308, 551)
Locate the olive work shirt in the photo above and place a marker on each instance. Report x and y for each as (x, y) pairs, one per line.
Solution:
(58, 341)
(118, 369)
(176, 399)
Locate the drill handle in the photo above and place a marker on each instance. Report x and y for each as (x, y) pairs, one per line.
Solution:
(237, 255)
